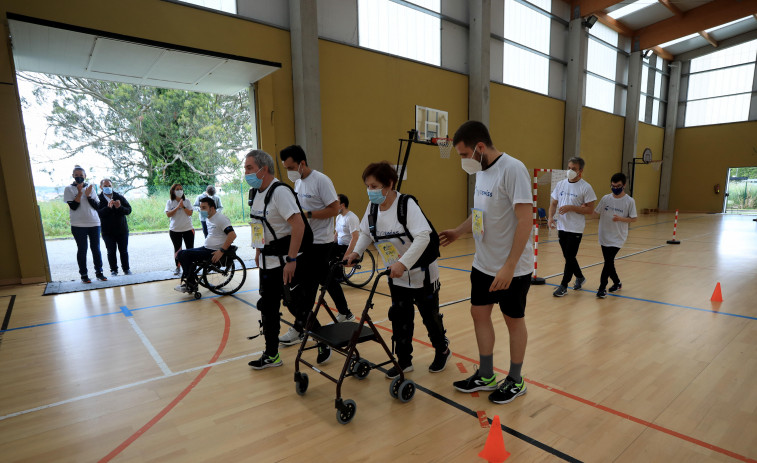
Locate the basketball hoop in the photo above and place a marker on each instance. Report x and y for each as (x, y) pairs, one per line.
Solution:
(445, 146)
(656, 164)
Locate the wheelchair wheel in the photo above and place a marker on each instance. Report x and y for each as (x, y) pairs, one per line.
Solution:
(225, 276)
(362, 273)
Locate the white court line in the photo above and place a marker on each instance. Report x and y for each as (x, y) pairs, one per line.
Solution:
(125, 386)
(617, 258)
(155, 355)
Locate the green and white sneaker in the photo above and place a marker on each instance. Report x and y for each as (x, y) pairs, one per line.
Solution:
(476, 383)
(266, 361)
(508, 390)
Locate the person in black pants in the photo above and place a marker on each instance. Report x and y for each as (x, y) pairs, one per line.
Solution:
(113, 209)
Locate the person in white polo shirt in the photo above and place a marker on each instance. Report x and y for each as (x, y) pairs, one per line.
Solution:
(347, 226)
(501, 222)
(573, 198)
(85, 223)
(317, 196)
(179, 212)
(615, 212)
(220, 236)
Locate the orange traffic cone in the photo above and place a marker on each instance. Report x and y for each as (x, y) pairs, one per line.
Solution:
(494, 449)
(717, 295)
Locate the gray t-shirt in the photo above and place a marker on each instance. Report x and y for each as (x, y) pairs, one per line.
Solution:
(84, 215)
(315, 193)
(614, 234)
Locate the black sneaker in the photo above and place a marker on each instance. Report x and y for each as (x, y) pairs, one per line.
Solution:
(128, 272)
(508, 390)
(476, 383)
(579, 283)
(615, 287)
(324, 354)
(101, 277)
(266, 361)
(394, 372)
(601, 293)
(560, 291)
(114, 273)
(440, 361)
(85, 279)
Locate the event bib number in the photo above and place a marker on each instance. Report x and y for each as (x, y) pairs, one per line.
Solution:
(478, 223)
(258, 235)
(388, 252)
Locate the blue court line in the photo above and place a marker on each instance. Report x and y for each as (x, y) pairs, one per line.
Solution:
(648, 300)
(125, 310)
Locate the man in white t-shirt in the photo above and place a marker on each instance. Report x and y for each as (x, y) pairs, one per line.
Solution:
(573, 198)
(615, 212)
(85, 223)
(279, 235)
(346, 226)
(501, 223)
(220, 237)
(319, 201)
(210, 192)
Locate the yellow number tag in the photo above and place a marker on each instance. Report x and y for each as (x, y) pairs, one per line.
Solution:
(388, 252)
(478, 223)
(258, 235)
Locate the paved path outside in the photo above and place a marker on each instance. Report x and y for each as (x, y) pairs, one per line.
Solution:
(148, 252)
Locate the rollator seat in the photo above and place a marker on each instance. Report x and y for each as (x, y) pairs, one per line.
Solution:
(339, 334)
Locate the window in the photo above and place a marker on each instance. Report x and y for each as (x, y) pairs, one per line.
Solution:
(401, 30)
(720, 86)
(227, 6)
(601, 67)
(529, 28)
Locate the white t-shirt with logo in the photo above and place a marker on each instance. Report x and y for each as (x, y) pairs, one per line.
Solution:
(179, 222)
(387, 223)
(612, 233)
(281, 207)
(84, 215)
(345, 225)
(216, 226)
(315, 193)
(499, 188)
(572, 194)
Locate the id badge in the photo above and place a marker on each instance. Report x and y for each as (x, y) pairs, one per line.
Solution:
(478, 223)
(388, 252)
(258, 235)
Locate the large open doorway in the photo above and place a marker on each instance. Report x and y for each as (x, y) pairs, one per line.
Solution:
(741, 191)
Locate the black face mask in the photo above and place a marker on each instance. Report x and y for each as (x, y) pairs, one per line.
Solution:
(79, 179)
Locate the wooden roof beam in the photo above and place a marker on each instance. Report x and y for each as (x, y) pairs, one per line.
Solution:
(708, 38)
(673, 9)
(614, 24)
(662, 53)
(584, 8)
(698, 19)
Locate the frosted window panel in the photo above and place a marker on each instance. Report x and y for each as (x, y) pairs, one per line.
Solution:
(600, 94)
(228, 6)
(643, 108)
(399, 30)
(660, 63)
(657, 84)
(433, 5)
(721, 82)
(744, 53)
(545, 5)
(717, 110)
(603, 32)
(601, 60)
(525, 69)
(526, 26)
(644, 78)
(655, 112)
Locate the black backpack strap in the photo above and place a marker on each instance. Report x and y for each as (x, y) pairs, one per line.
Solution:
(372, 216)
(402, 212)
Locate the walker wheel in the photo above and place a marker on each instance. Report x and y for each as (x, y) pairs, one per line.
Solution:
(394, 388)
(406, 391)
(361, 368)
(198, 295)
(301, 383)
(346, 415)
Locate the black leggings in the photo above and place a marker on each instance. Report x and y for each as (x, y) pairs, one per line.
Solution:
(608, 271)
(402, 314)
(176, 237)
(569, 243)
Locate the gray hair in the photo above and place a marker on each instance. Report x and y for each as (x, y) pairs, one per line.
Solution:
(262, 159)
(105, 180)
(577, 160)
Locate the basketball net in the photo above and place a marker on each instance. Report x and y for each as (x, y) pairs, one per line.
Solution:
(445, 146)
(656, 164)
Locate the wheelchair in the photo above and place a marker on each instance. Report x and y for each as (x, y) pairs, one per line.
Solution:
(224, 277)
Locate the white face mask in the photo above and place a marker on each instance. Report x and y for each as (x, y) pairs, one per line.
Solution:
(294, 175)
(179, 193)
(572, 174)
(470, 165)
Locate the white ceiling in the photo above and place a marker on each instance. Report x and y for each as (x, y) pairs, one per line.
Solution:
(52, 50)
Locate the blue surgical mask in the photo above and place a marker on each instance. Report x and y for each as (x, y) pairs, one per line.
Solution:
(203, 215)
(253, 180)
(108, 190)
(617, 191)
(375, 196)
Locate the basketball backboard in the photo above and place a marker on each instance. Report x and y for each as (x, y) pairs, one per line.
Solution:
(431, 123)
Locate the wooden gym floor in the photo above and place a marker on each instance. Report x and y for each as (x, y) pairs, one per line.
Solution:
(655, 373)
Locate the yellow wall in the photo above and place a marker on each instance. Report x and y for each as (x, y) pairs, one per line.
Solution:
(702, 158)
(23, 260)
(601, 148)
(646, 188)
(367, 103)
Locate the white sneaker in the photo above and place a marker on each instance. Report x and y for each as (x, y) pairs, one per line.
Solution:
(345, 318)
(291, 337)
(181, 289)
(177, 272)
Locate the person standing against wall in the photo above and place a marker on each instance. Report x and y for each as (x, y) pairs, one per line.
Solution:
(113, 209)
(85, 223)
(179, 211)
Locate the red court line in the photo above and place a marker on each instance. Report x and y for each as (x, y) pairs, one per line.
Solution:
(174, 402)
(609, 410)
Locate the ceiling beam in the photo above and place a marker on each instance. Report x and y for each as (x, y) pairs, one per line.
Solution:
(585, 8)
(698, 19)
(662, 53)
(708, 38)
(722, 45)
(614, 24)
(673, 9)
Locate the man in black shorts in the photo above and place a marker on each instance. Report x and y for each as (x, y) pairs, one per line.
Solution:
(501, 223)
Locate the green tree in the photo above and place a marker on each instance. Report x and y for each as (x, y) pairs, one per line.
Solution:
(153, 136)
